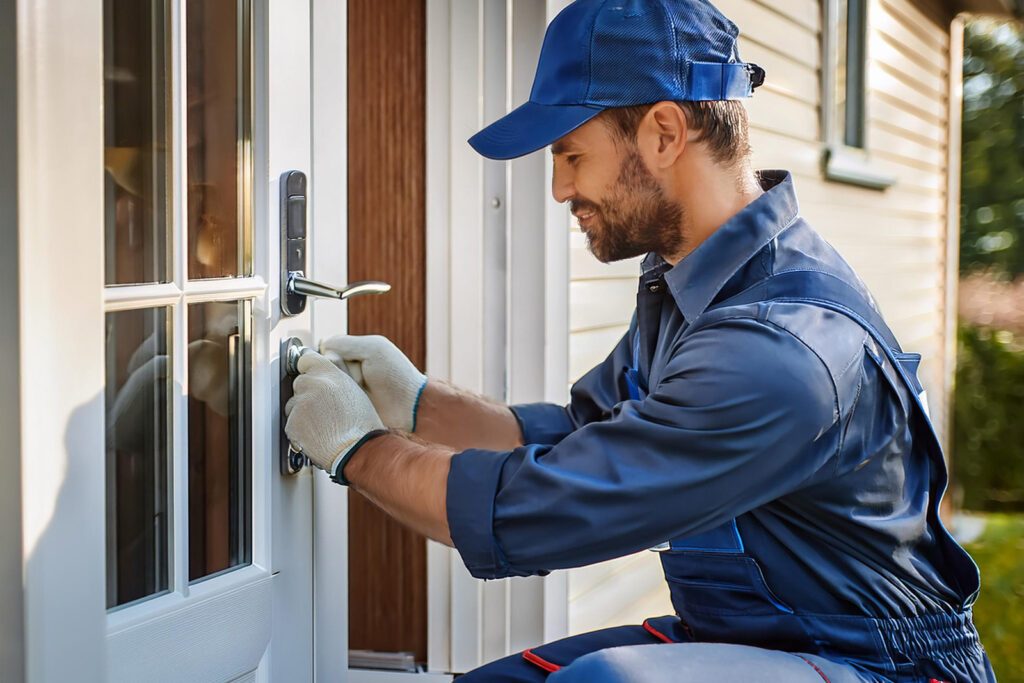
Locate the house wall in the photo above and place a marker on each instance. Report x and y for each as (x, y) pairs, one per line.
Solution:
(895, 239)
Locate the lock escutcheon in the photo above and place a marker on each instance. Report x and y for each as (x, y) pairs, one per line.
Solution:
(291, 461)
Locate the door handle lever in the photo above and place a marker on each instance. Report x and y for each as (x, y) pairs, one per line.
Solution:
(295, 286)
(302, 286)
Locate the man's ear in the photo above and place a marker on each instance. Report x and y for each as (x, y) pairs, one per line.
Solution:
(663, 134)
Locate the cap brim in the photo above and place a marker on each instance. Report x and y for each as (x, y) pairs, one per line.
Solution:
(529, 128)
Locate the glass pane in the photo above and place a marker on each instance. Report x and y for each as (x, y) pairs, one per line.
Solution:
(219, 446)
(219, 131)
(137, 369)
(135, 154)
(856, 36)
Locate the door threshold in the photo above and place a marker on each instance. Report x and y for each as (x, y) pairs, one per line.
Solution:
(373, 676)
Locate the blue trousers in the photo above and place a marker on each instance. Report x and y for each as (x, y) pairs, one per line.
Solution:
(659, 651)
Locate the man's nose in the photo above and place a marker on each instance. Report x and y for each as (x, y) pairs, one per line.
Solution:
(562, 187)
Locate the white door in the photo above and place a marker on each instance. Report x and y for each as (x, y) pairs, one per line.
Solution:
(159, 525)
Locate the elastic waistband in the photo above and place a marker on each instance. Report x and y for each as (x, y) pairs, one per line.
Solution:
(929, 635)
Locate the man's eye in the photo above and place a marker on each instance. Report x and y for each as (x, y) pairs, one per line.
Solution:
(572, 159)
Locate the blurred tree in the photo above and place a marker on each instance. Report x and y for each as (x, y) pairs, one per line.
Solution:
(992, 187)
(988, 435)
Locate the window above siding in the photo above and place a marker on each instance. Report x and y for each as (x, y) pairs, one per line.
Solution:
(845, 78)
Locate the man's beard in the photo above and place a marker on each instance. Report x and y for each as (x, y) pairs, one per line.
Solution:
(636, 218)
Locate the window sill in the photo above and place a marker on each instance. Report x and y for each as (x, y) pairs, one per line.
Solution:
(852, 166)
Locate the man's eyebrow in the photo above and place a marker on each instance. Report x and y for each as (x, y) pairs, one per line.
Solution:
(560, 147)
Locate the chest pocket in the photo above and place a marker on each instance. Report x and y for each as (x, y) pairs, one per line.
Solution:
(710, 574)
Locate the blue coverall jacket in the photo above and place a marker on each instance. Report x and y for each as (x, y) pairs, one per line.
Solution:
(756, 424)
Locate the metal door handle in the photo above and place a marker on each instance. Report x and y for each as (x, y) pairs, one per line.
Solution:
(295, 286)
(302, 286)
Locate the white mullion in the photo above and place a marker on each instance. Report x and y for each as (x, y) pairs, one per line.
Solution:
(263, 350)
(224, 289)
(179, 126)
(179, 449)
(134, 297)
(179, 311)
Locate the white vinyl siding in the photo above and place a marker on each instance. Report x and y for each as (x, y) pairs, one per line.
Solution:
(895, 239)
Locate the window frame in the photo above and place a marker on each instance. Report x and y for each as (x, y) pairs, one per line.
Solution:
(842, 162)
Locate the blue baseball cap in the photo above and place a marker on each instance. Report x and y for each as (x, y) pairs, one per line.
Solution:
(599, 54)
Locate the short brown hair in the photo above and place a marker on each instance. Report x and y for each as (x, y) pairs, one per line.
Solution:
(723, 125)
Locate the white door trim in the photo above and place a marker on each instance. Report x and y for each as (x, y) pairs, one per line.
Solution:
(60, 260)
(438, 245)
(328, 211)
(952, 255)
(480, 62)
(284, 72)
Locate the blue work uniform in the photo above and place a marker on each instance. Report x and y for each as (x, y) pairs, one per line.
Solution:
(760, 424)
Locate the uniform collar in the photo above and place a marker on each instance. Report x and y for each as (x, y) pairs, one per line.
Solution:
(700, 276)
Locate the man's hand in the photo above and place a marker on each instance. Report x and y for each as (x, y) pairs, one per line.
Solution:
(390, 379)
(328, 415)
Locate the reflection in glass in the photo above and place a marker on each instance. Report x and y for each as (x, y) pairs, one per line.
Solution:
(137, 371)
(841, 63)
(219, 446)
(219, 130)
(135, 155)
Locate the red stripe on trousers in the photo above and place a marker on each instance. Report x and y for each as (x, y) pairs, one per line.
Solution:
(537, 660)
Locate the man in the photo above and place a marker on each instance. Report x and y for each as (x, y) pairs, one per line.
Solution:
(758, 423)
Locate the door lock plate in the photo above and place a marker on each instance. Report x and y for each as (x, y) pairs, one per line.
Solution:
(293, 238)
(292, 461)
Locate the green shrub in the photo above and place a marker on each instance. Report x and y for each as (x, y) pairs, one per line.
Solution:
(988, 420)
(999, 612)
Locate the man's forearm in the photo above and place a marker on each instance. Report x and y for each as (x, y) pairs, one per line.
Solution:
(407, 476)
(408, 479)
(460, 419)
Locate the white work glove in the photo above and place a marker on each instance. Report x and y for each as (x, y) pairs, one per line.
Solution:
(329, 416)
(389, 378)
